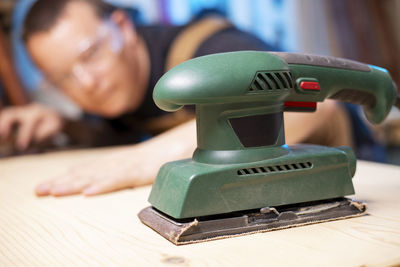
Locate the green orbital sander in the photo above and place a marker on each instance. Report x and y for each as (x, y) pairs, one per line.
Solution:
(242, 177)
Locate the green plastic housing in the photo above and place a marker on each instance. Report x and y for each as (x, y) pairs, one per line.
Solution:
(231, 170)
(187, 188)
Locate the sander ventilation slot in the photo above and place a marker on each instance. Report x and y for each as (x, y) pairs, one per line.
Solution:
(270, 81)
(275, 169)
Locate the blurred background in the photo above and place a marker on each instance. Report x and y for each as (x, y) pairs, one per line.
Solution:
(363, 30)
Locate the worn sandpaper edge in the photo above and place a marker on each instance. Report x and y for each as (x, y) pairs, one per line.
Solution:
(171, 231)
(175, 235)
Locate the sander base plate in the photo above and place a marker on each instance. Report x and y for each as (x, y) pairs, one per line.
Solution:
(194, 230)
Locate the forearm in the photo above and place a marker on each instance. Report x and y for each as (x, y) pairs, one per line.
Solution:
(328, 125)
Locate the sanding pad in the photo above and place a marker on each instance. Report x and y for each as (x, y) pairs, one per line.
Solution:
(207, 228)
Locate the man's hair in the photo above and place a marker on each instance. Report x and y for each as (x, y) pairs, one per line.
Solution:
(43, 14)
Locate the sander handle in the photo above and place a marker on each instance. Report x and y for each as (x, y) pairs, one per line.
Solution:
(342, 79)
(244, 81)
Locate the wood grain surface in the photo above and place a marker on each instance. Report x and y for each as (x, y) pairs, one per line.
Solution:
(105, 230)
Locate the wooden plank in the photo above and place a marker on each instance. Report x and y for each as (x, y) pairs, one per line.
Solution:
(105, 230)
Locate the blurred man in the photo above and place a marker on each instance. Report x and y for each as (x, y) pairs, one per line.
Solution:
(96, 56)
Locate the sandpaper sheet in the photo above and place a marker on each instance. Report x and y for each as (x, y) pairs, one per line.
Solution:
(212, 228)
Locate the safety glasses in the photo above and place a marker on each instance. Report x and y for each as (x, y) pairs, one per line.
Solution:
(96, 56)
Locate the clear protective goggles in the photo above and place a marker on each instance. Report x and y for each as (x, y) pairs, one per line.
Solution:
(96, 56)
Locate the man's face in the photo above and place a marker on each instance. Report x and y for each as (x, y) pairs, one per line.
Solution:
(88, 59)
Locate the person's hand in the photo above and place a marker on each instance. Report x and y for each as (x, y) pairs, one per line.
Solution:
(125, 168)
(34, 123)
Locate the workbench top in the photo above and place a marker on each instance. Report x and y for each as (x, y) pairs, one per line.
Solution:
(105, 230)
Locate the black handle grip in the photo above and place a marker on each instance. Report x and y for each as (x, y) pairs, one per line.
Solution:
(324, 61)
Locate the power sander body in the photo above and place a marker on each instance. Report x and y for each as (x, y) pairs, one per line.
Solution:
(242, 165)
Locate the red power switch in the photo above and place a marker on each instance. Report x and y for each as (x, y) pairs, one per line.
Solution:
(310, 86)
